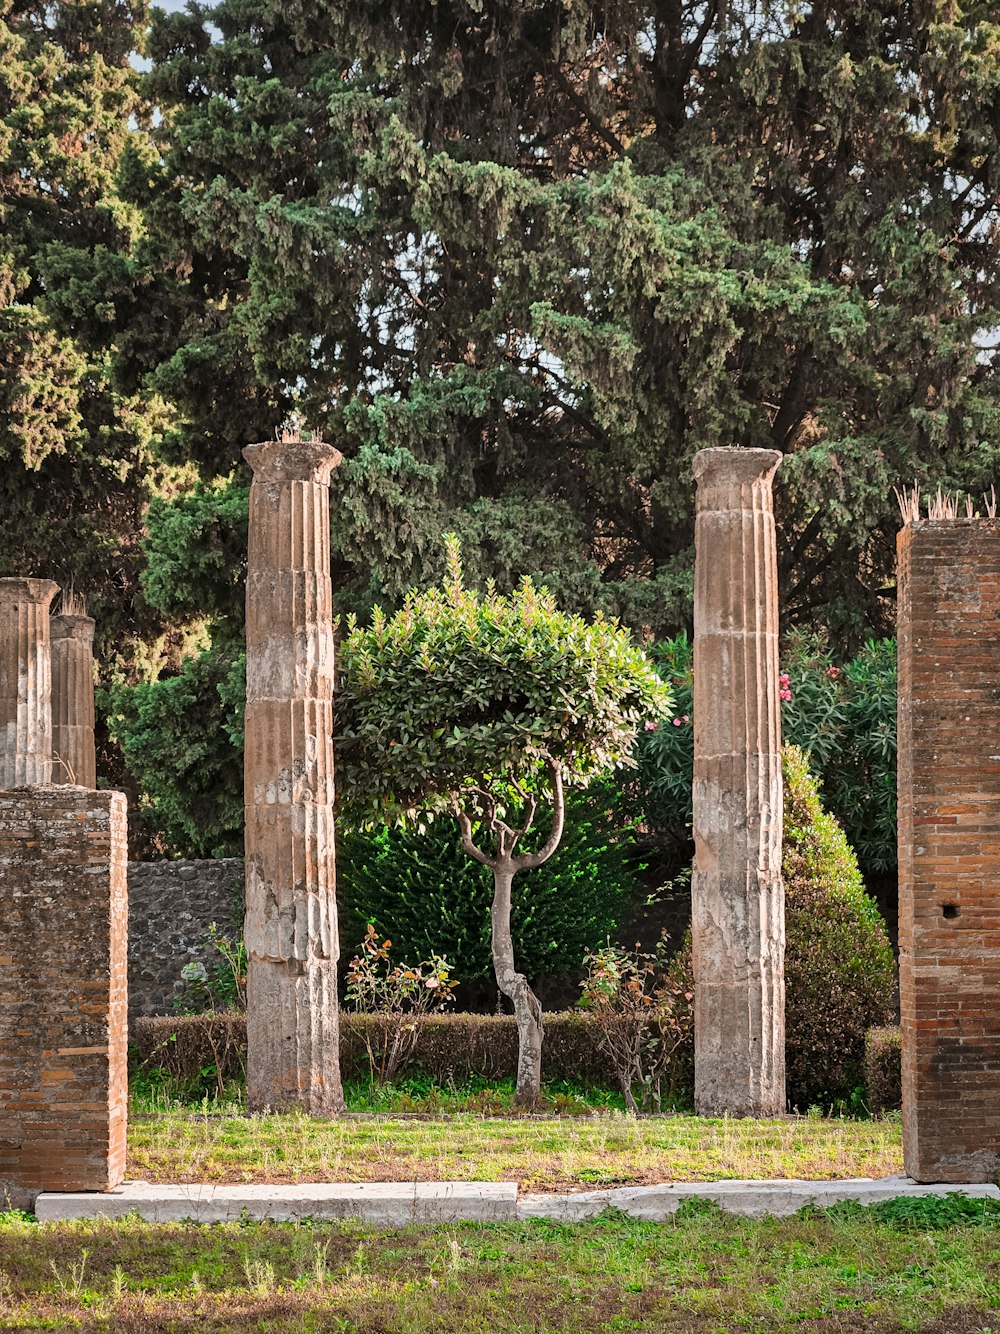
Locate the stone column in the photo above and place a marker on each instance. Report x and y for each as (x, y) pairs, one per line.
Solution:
(73, 756)
(738, 909)
(25, 682)
(291, 910)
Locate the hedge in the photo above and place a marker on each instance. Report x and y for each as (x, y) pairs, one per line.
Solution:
(883, 1070)
(451, 1047)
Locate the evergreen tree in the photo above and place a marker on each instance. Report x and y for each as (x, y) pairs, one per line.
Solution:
(521, 260)
(75, 436)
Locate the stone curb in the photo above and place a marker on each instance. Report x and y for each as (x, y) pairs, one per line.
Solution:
(391, 1204)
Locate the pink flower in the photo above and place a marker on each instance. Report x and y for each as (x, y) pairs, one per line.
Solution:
(833, 673)
(677, 722)
(649, 727)
(783, 680)
(686, 718)
(785, 693)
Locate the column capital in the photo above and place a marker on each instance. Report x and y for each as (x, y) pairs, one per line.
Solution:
(71, 626)
(731, 463)
(292, 461)
(39, 591)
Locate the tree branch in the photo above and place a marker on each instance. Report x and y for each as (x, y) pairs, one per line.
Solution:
(529, 860)
(468, 847)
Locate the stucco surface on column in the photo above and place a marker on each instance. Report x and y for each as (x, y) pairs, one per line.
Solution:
(291, 911)
(25, 682)
(737, 892)
(74, 758)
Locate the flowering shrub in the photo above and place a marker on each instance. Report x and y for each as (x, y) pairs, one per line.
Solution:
(404, 994)
(642, 1017)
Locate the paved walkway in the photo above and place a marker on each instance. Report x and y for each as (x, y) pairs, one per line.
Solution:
(389, 1204)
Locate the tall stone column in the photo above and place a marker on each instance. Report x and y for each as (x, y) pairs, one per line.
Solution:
(291, 909)
(738, 908)
(25, 682)
(74, 759)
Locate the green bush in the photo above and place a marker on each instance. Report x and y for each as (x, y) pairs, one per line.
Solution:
(883, 1070)
(428, 897)
(839, 970)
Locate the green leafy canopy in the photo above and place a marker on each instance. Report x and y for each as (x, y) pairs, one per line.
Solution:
(460, 690)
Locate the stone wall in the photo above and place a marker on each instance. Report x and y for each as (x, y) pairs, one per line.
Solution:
(63, 1048)
(172, 904)
(949, 848)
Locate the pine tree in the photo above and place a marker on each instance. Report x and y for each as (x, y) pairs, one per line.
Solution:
(75, 435)
(522, 260)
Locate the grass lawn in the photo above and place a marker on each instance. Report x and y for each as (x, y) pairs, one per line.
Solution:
(929, 1265)
(173, 1142)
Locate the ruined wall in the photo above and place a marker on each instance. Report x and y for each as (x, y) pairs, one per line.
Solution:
(172, 904)
(63, 1049)
(949, 847)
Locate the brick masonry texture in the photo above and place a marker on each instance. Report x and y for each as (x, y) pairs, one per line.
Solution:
(949, 848)
(171, 906)
(63, 1046)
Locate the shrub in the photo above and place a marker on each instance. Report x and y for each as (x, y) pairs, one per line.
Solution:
(428, 897)
(642, 1018)
(452, 1048)
(402, 994)
(883, 1070)
(839, 970)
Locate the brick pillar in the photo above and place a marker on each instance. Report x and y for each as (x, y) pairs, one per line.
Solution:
(291, 919)
(63, 990)
(25, 682)
(74, 759)
(738, 910)
(949, 847)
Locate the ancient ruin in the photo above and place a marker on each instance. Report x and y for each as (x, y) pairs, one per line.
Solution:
(737, 895)
(291, 913)
(949, 847)
(74, 758)
(25, 682)
(63, 1038)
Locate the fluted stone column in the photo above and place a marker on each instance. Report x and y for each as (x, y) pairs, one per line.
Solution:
(291, 910)
(25, 682)
(74, 759)
(737, 894)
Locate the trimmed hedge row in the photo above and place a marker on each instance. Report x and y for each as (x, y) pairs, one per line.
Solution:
(451, 1047)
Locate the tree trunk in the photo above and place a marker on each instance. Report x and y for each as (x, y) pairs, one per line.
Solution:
(514, 986)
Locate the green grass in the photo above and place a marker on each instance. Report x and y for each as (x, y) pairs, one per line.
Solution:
(592, 1145)
(932, 1266)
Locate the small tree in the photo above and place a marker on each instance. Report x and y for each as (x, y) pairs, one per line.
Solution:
(483, 708)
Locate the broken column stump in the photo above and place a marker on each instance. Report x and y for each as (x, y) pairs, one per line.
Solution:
(63, 991)
(25, 682)
(949, 847)
(737, 896)
(291, 910)
(74, 759)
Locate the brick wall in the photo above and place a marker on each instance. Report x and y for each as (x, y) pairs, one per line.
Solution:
(63, 1046)
(171, 905)
(949, 847)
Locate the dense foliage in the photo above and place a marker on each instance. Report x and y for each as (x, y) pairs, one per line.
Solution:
(839, 970)
(430, 898)
(459, 693)
(522, 260)
(842, 717)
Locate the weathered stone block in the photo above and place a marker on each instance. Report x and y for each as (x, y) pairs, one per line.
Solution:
(63, 1002)
(949, 848)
